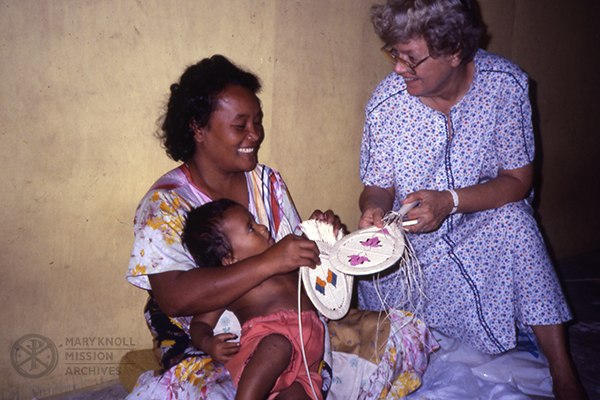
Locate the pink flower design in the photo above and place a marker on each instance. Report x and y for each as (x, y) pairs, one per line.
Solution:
(373, 242)
(357, 259)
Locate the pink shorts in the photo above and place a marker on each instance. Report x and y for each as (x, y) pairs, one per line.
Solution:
(284, 323)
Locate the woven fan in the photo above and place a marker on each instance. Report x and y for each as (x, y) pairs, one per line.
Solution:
(329, 289)
(366, 251)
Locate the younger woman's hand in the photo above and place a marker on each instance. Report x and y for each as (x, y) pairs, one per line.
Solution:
(332, 219)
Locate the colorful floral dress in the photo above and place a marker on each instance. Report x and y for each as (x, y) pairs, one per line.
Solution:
(159, 221)
(485, 272)
(188, 373)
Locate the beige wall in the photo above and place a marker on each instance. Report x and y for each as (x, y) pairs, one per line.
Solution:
(83, 82)
(556, 44)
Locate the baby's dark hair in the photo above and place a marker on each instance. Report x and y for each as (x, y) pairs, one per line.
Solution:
(203, 235)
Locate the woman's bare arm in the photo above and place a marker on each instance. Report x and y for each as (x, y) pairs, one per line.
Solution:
(435, 206)
(202, 290)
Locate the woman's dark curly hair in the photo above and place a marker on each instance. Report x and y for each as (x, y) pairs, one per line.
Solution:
(203, 233)
(193, 100)
(448, 26)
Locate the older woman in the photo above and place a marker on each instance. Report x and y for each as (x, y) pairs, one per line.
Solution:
(213, 124)
(451, 129)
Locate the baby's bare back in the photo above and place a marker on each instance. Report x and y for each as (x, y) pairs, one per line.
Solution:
(277, 293)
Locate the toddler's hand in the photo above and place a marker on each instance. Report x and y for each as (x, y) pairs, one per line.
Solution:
(292, 252)
(220, 348)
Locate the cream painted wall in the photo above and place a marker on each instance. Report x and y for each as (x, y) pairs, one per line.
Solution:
(320, 111)
(84, 81)
(556, 43)
(83, 85)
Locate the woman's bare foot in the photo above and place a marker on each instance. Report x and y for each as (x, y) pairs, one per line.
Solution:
(567, 386)
(565, 381)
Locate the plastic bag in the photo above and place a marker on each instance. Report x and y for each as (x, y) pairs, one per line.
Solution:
(459, 372)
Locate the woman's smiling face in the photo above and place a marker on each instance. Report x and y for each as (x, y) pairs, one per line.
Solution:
(432, 77)
(233, 135)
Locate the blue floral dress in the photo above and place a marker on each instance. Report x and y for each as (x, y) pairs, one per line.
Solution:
(484, 273)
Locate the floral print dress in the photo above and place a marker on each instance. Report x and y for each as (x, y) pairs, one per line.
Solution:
(159, 221)
(485, 273)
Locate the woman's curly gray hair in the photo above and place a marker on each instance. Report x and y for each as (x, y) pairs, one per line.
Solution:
(448, 26)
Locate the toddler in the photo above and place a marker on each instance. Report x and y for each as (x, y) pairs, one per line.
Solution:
(267, 362)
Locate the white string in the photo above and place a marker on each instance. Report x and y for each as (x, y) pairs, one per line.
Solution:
(409, 271)
(301, 337)
(316, 231)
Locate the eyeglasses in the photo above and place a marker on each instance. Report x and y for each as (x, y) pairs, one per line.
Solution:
(394, 59)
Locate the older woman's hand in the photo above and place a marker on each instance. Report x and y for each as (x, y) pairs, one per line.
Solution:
(371, 216)
(374, 203)
(434, 208)
(332, 219)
